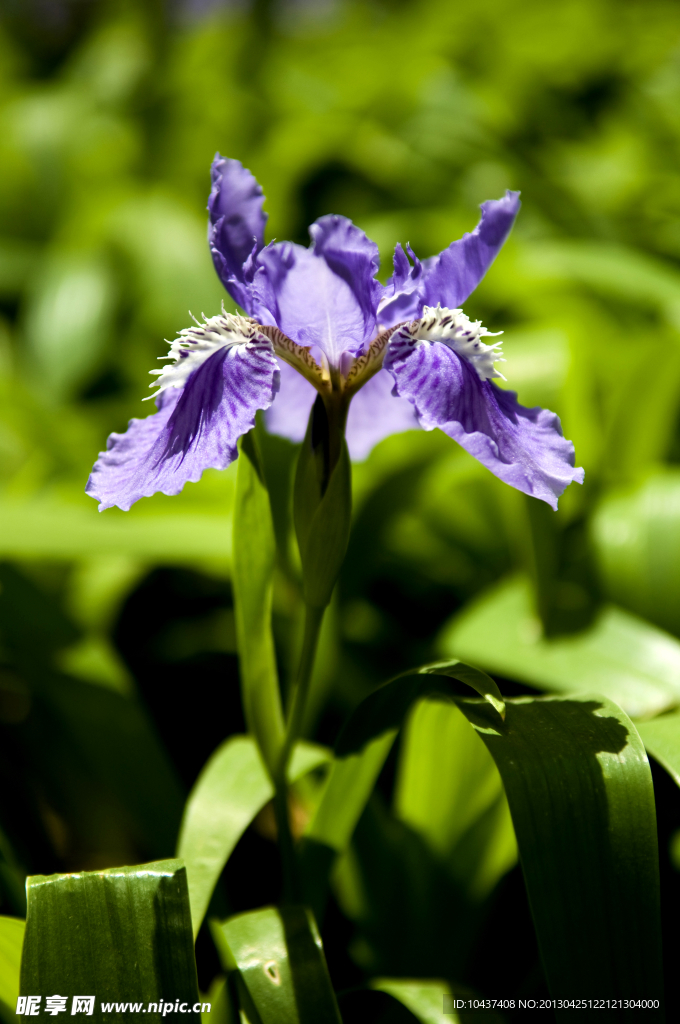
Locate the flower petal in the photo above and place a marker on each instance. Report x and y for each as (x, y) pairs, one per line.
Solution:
(196, 427)
(375, 413)
(237, 223)
(452, 275)
(325, 295)
(289, 414)
(523, 447)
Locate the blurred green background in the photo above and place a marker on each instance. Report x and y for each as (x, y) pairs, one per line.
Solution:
(119, 674)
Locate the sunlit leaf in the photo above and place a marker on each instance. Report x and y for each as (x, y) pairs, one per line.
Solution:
(637, 544)
(11, 941)
(620, 656)
(580, 793)
(122, 935)
(230, 791)
(427, 1000)
(449, 791)
(661, 737)
(281, 965)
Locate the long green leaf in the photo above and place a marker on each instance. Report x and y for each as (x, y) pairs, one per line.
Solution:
(253, 567)
(281, 966)
(580, 793)
(427, 1000)
(620, 656)
(121, 935)
(232, 788)
(11, 940)
(449, 791)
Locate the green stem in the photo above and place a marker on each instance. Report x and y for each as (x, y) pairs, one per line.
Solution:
(313, 620)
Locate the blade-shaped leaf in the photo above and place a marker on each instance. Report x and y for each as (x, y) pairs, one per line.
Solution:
(281, 964)
(436, 1002)
(449, 791)
(427, 1000)
(620, 656)
(11, 940)
(253, 567)
(387, 707)
(580, 793)
(232, 788)
(661, 737)
(120, 935)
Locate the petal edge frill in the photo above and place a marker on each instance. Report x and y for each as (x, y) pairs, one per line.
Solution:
(523, 447)
(236, 225)
(453, 275)
(195, 428)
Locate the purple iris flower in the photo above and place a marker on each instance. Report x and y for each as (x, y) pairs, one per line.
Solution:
(384, 358)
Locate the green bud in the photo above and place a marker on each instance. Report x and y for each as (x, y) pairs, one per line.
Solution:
(322, 504)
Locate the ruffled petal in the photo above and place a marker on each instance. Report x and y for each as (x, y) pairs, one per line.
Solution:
(236, 227)
(450, 277)
(196, 427)
(523, 447)
(375, 413)
(289, 414)
(325, 295)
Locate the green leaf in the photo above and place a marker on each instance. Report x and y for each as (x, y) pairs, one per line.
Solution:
(620, 656)
(637, 544)
(661, 737)
(386, 708)
(11, 941)
(426, 1000)
(230, 791)
(122, 935)
(350, 783)
(449, 791)
(281, 965)
(580, 793)
(253, 568)
(433, 1002)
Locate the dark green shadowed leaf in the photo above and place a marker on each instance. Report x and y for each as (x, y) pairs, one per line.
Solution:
(253, 567)
(580, 793)
(11, 940)
(620, 656)
(232, 788)
(120, 935)
(386, 707)
(282, 968)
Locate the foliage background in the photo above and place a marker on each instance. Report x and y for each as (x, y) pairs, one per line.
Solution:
(119, 672)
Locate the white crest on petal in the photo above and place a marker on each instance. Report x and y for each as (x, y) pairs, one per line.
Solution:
(196, 344)
(453, 328)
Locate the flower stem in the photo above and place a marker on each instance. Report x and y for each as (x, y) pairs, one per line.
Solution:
(313, 620)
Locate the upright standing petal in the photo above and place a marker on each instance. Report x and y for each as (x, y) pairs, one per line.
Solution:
(450, 277)
(236, 226)
(199, 420)
(325, 295)
(375, 413)
(523, 447)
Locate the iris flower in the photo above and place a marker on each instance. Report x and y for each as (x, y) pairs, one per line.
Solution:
(383, 358)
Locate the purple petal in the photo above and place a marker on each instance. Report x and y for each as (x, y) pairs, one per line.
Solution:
(375, 413)
(195, 428)
(236, 228)
(523, 447)
(326, 295)
(450, 277)
(289, 414)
